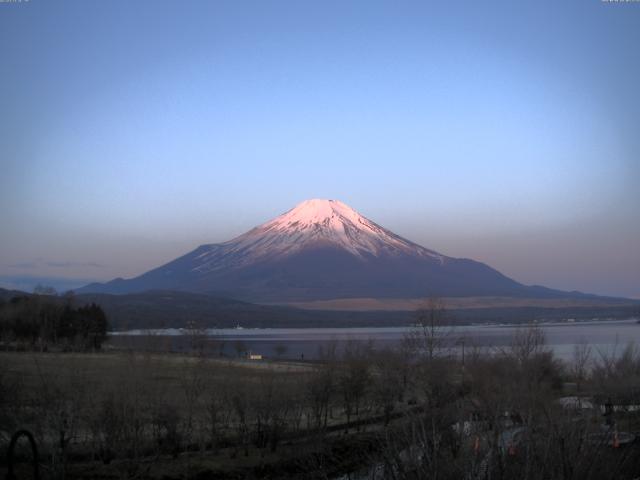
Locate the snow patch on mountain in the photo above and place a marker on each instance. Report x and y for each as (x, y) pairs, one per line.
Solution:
(312, 223)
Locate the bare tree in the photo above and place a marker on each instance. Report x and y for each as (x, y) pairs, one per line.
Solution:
(240, 404)
(217, 412)
(580, 362)
(430, 335)
(61, 409)
(527, 342)
(354, 378)
(240, 347)
(389, 381)
(280, 349)
(11, 405)
(193, 388)
(321, 386)
(197, 336)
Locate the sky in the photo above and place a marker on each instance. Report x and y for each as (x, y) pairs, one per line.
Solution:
(507, 132)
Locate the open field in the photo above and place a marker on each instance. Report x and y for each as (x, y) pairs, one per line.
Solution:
(125, 414)
(128, 414)
(106, 369)
(462, 303)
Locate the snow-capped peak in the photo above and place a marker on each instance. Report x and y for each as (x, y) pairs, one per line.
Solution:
(319, 211)
(312, 223)
(318, 214)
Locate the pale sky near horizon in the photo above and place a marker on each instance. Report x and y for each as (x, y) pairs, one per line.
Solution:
(507, 132)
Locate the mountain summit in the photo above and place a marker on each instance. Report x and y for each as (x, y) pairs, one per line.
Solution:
(322, 249)
(313, 224)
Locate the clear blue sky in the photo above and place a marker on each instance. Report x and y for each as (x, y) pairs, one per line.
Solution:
(508, 132)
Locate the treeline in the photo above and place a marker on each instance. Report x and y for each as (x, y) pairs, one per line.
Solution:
(40, 321)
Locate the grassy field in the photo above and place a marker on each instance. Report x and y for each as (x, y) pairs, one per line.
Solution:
(125, 414)
(461, 303)
(169, 374)
(129, 414)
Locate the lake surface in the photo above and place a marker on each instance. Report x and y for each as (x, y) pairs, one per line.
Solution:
(603, 336)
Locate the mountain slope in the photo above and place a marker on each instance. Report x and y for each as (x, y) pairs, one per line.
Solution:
(323, 249)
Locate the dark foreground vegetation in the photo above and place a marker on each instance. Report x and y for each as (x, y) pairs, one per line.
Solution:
(418, 412)
(44, 320)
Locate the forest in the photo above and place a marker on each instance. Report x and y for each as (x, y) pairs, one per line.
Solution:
(43, 321)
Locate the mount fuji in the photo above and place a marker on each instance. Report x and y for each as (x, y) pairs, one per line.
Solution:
(321, 250)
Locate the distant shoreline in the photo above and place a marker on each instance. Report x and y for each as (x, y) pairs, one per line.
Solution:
(238, 332)
(458, 303)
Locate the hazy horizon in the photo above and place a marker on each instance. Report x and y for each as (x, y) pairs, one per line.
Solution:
(507, 133)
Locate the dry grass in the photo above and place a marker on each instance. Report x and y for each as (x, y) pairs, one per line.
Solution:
(409, 304)
(109, 370)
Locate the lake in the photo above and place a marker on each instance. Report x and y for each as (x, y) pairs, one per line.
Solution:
(603, 336)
